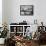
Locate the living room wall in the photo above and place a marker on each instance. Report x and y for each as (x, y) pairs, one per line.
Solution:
(12, 11)
(0, 13)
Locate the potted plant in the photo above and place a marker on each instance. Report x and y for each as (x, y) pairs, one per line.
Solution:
(3, 34)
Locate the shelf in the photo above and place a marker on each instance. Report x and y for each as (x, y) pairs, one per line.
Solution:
(19, 32)
(16, 32)
(17, 28)
(19, 25)
(12, 32)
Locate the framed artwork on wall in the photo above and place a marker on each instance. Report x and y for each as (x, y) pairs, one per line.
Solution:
(26, 10)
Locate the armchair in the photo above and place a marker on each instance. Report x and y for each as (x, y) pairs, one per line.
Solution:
(42, 37)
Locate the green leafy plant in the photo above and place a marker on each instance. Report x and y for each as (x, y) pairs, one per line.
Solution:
(4, 32)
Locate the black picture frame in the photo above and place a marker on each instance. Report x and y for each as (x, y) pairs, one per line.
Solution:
(26, 10)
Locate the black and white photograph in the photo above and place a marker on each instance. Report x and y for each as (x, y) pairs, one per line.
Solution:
(26, 10)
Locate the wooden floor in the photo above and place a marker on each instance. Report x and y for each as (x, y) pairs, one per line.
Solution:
(32, 45)
(2, 45)
(42, 45)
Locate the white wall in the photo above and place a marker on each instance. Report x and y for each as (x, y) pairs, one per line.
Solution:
(0, 13)
(4, 12)
(12, 11)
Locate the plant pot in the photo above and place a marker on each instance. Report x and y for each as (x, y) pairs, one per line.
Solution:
(2, 40)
